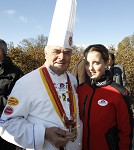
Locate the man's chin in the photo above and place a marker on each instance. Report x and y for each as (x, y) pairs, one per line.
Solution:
(60, 69)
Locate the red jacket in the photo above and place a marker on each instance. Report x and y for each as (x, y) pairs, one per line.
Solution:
(106, 115)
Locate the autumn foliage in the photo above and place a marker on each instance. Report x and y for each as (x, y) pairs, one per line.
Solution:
(32, 56)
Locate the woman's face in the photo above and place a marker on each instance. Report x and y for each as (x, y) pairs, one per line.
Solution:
(95, 65)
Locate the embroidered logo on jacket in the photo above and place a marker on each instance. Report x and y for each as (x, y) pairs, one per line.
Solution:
(102, 102)
(13, 101)
(8, 110)
(61, 86)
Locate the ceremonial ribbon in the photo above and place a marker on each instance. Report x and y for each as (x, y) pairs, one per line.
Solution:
(55, 98)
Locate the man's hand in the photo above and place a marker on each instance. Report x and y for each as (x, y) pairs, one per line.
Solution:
(57, 136)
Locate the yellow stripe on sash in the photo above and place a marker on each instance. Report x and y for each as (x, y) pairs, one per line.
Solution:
(50, 94)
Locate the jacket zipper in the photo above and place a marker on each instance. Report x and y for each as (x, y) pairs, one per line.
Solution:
(84, 105)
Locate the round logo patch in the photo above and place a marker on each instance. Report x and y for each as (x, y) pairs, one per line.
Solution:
(13, 101)
(8, 110)
(102, 102)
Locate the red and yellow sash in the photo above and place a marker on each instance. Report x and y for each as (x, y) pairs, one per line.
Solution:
(54, 96)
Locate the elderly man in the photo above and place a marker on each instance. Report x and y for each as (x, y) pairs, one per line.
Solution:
(42, 111)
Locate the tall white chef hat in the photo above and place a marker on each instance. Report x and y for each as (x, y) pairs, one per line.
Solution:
(61, 31)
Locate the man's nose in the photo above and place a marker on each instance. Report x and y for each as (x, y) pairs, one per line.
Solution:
(61, 55)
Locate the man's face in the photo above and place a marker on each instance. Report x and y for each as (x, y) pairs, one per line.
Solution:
(1, 55)
(58, 58)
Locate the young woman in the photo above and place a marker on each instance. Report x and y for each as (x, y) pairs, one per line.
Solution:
(105, 107)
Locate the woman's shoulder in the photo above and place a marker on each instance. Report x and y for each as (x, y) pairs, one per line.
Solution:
(121, 89)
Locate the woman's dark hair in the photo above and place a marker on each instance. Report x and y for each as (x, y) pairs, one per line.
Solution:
(98, 48)
(112, 56)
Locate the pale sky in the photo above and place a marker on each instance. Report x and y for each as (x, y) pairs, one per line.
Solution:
(97, 21)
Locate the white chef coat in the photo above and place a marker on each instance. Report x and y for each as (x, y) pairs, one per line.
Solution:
(24, 121)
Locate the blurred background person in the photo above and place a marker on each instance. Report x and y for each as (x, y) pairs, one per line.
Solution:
(79, 70)
(118, 71)
(9, 74)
